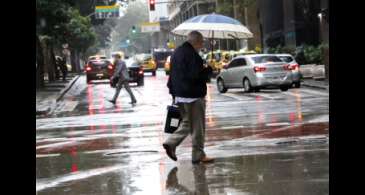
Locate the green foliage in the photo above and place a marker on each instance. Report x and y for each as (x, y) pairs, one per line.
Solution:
(79, 32)
(312, 54)
(225, 7)
(62, 23)
(280, 49)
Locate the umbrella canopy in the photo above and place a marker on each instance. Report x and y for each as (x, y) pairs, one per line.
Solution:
(214, 26)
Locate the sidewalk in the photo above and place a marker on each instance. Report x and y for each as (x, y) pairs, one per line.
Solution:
(47, 97)
(320, 84)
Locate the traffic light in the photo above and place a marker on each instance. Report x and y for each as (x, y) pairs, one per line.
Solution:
(152, 5)
(133, 29)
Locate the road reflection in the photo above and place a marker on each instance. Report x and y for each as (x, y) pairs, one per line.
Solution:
(200, 183)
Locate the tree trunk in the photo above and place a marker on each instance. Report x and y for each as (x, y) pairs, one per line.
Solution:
(72, 57)
(48, 61)
(40, 64)
(78, 62)
(75, 61)
(53, 62)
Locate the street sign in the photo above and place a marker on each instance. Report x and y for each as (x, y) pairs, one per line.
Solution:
(103, 12)
(150, 27)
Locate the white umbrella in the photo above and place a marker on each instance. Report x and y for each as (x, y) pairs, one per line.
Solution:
(214, 26)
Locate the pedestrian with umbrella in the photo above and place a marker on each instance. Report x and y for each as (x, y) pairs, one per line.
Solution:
(187, 85)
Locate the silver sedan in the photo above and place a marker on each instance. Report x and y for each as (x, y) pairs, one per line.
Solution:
(254, 72)
(296, 74)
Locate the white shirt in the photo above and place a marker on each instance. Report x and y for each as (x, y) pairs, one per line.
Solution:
(184, 100)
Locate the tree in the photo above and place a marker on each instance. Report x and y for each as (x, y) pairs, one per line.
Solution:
(50, 16)
(40, 64)
(61, 23)
(80, 36)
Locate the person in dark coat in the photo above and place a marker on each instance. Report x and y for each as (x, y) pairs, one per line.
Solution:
(187, 85)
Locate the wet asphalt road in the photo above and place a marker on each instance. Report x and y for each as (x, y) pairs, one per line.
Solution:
(270, 142)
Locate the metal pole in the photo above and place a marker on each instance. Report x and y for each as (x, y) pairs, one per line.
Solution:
(212, 46)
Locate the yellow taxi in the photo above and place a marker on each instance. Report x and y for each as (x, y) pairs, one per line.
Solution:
(226, 58)
(148, 63)
(214, 60)
(167, 65)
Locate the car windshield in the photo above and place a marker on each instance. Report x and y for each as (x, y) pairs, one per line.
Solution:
(286, 58)
(130, 62)
(143, 57)
(265, 59)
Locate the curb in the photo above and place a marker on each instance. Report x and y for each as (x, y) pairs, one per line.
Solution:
(68, 87)
(315, 86)
(42, 112)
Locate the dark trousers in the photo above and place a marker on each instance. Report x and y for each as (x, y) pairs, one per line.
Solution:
(123, 83)
(193, 122)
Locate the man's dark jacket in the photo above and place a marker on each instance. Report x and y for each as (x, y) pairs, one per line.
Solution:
(188, 76)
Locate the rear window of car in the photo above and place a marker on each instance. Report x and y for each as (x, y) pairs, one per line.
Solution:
(265, 59)
(130, 62)
(286, 58)
(161, 56)
(97, 62)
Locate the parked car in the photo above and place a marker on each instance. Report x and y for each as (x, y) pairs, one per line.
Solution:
(296, 73)
(98, 68)
(254, 72)
(167, 65)
(147, 62)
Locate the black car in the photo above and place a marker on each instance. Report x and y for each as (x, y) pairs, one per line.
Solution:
(160, 57)
(98, 68)
(135, 71)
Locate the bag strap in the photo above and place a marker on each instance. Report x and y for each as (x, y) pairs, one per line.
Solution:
(173, 100)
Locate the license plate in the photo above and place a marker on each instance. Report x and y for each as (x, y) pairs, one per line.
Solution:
(99, 75)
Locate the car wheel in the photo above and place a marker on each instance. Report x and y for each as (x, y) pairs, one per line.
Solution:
(221, 87)
(284, 88)
(154, 73)
(88, 79)
(140, 82)
(297, 84)
(247, 86)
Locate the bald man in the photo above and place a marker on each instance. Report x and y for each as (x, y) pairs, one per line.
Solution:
(187, 85)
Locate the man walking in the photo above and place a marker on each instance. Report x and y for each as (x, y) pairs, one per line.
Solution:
(121, 72)
(187, 85)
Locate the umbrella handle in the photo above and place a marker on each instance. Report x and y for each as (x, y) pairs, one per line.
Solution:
(211, 44)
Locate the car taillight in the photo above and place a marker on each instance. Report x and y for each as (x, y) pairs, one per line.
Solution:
(287, 67)
(294, 67)
(88, 68)
(110, 66)
(259, 69)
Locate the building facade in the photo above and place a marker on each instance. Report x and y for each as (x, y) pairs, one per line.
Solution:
(292, 23)
(289, 23)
